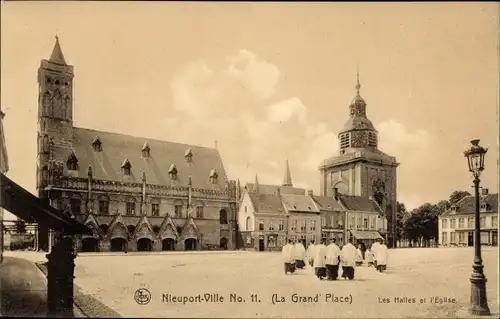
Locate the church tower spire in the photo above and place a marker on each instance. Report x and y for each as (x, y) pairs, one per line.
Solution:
(57, 55)
(358, 131)
(256, 185)
(287, 179)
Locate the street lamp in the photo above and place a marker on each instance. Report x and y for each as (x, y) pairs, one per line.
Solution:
(478, 301)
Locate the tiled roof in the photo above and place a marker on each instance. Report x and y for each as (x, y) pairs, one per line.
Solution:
(266, 203)
(327, 203)
(273, 189)
(358, 153)
(117, 148)
(467, 205)
(359, 203)
(357, 123)
(299, 203)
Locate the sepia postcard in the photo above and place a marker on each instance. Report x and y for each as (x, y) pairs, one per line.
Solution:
(249, 159)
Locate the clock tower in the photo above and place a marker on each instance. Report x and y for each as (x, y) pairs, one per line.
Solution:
(360, 168)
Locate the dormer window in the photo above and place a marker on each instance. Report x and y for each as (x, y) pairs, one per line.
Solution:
(72, 162)
(189, 155)
(454, 208)
(126, 167)
(484, 207)
(97, 144)
(145, 150)
(213, 176)
(172, 172)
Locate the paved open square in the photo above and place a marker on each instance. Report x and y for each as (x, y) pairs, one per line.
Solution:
(418, 277)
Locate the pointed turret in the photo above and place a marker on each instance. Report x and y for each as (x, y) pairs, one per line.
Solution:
(57, 55)
(256, 185)
(287, 179)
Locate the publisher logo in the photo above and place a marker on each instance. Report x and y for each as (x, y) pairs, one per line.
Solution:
(142, 296)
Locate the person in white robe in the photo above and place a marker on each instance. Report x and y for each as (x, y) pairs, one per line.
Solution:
(375, 246)
(359, 256)
(320, 259)
(287, 253)
(310, 253)
(382, 255)
(332, 260)
(348, 257)
(369, 257)
(299, 254)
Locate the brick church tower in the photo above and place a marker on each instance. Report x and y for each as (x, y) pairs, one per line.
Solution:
(55, 120)
(361, 169)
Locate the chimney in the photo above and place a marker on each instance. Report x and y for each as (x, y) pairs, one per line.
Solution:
(310, 192)
(484, 191)
(336, 193)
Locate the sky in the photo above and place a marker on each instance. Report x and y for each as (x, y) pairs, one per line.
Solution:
(268, 81)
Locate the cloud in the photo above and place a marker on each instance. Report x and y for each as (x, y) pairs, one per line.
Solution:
(260, 76)
(284, 110)
(396, 140)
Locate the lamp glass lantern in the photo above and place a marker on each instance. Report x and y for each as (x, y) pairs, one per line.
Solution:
(475, 158)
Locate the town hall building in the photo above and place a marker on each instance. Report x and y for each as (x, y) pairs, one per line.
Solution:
(135, 193)
(361, 171)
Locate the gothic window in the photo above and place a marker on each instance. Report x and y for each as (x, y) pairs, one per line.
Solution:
(43, 144)
(213, 176)
(130, 208)
(126, 167)
(223, 217)
(97, 144)
(155, 209)
(188, 155)
(75, 205)
(145, 150)
(103, 207)
(199, 212)
(72, 162)
(178, 211)
(172, 172)
(344, 140)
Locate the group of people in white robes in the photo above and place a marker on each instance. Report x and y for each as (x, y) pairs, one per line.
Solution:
(327, 259)
(379, 255)
(294, 256)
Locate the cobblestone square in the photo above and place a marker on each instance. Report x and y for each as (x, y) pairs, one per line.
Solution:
(412, 273)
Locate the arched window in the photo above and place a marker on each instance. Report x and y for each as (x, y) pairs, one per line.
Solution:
(248, 224)
(223, 217)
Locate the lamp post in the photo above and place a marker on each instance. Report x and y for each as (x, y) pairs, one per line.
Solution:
(478, 301)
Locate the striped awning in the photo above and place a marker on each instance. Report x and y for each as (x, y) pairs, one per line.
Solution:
(366, 234)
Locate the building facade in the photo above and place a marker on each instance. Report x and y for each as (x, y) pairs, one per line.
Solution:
(364, 220)
(135, 193)
(361, 169)
(332, 218)
(456, 225)
(269, 215)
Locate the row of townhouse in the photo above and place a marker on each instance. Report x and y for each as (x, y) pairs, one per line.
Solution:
(456, 225)
(271, 214)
